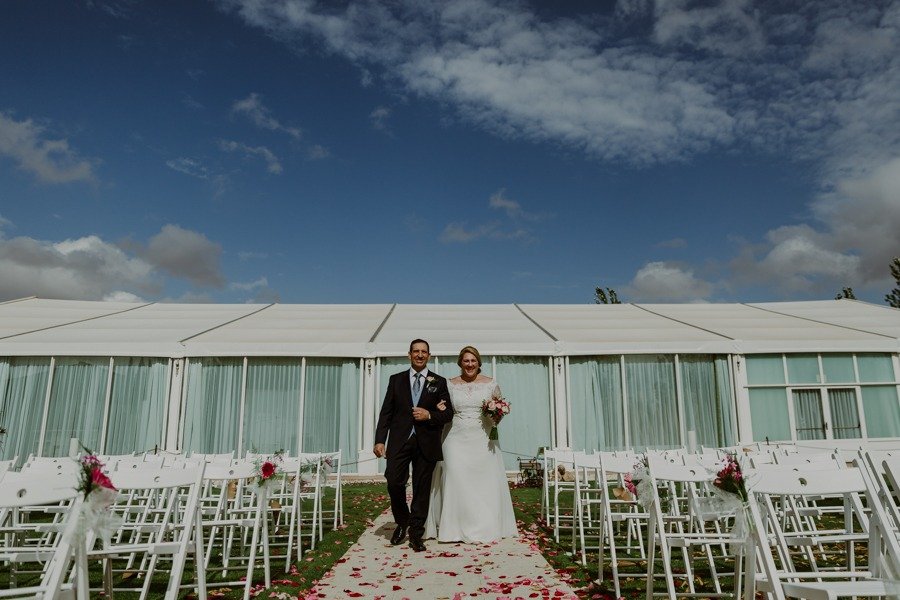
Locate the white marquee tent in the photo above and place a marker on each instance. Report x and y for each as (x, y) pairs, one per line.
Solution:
(304, 377)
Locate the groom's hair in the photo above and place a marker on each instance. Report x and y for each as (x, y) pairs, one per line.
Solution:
(419, 341)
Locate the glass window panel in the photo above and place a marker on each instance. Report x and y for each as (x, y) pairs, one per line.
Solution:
(808, 417)
(765, 369)
(769, 415)
(213, 405)
(76, 404)
(272, 405)
(525, 382)
(875, 368)
(652, 404)
(803, 368)
(881, 410)
(844, 414)
(331, 407)
(596, 398)
(838, 368)
(137, 405)
(23, 387)
(706, 386)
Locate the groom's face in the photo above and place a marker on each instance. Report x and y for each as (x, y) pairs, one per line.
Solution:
(418, 356)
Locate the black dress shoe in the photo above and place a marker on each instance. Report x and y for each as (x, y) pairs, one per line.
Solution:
(417, 544)
(399, 535)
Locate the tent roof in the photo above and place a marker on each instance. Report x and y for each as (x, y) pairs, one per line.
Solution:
(41, 327)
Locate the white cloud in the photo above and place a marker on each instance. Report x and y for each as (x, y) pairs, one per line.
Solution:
(187, 255)
(82, 268)
(379, 117)
(253, 108)
(262, 282)
(91, 268)
(461, 233)
(188, 166)
(661, 282)
(121, 296)
(273, 165)
(317, 152)
(654, 82)
(49, 160)
(673, 243)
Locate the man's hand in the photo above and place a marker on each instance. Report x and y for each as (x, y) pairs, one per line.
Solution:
(420, 414)
(379, 450)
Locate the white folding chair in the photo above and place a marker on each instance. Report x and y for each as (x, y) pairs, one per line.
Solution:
(683, 526)
(782, 578)
(556, 484)
(159, 508)
(332, 467)
(45, 547)
(234, 508)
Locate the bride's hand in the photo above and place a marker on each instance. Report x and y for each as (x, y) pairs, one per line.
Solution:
(442, 405)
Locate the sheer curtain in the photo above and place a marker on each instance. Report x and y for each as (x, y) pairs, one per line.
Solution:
(23, 385)
(525, 382)
(706, 387)
(137, 404)
(76, 404)
(212, 407)
(844, 415)
(652, 403)
(331, 407)
(808, 414)
(881, 410)
(272, 405)
(596, 399)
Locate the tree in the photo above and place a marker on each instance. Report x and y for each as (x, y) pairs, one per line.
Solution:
(893, 298)
(605, 297)
(847, 293)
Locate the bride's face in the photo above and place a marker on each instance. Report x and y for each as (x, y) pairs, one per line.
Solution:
(469, 365)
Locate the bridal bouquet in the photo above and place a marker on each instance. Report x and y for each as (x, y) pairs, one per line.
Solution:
(496, 407)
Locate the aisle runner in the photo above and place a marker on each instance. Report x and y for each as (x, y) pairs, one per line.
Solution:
(372, 568)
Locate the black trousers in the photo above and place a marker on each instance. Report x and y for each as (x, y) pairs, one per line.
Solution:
(397, 475)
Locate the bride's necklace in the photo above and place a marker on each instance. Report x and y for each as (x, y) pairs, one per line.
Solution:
(464, 380)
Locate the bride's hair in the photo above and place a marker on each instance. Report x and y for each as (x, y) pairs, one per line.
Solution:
(469, 350)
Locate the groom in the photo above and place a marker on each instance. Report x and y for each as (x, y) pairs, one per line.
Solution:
(411, 415)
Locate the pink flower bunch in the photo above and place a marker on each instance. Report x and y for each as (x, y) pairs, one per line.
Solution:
(630, 485)
(730, 477)
(268, 468)
(496, 407)
(92, 476)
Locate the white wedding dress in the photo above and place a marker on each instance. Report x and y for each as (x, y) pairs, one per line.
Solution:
(470, 500)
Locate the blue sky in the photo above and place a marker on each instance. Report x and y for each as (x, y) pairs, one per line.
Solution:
(464, 151)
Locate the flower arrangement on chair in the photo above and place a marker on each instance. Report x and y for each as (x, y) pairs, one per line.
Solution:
(99, 496)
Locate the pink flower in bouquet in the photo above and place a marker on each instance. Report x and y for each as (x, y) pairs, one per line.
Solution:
(730, 477)
(495, 408)
(629, 485)
(267, 469)
(99, 478)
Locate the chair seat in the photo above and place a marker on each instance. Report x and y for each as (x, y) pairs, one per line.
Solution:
(830, 590)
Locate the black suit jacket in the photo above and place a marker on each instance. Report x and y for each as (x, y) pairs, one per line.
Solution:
(396, 421)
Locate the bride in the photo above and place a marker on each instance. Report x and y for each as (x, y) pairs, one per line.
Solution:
(470, 500)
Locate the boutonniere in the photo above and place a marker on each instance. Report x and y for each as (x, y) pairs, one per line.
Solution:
(430, 381)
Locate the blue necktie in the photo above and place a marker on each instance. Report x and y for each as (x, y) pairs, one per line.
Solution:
(417, 389)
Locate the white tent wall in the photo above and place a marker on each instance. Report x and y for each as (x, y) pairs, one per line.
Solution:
(570, 371)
